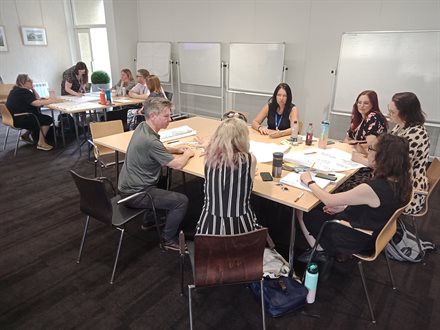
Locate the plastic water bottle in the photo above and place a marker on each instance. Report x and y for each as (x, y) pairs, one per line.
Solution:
(108, 96)
(294, 133)
(102, 98)
(311, 282)
(323, 137)
(309, 135)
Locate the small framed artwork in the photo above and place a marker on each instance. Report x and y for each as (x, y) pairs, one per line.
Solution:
(33, 36)
(3, 44)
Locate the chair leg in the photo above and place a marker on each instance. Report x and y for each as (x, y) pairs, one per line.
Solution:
(364, 284)
(96, 168)
(416, 232)
(190, 287)
(6, 137)
(117, 253)
(389, 271)
(16, 145)
(83, 240)
(263, 312)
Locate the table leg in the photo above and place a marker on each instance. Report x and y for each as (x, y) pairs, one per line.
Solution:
(292, 241)
(76, 119)
(54, 128)
(117, 166)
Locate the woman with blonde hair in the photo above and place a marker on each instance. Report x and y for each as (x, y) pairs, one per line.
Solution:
(126, 82)
(229, 174)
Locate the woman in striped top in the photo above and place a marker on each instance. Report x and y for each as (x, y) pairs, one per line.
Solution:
(229, 174)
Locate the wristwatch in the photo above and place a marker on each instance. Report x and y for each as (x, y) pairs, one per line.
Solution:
(310, 182)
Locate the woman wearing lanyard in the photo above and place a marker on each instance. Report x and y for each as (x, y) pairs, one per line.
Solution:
(280, 113)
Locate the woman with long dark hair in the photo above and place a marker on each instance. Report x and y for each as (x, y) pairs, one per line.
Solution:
(75, 80)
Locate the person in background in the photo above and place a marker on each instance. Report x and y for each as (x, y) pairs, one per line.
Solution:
(366, 118)
(126, 81)
(229, 174)
(142, 168)
(75, 80)
(280, 113)
(140, 90)
(24, 98)
(367, 206)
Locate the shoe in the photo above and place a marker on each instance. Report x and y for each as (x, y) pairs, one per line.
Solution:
(319, 255)
(27, 139)
(170, 246)
(44, 147)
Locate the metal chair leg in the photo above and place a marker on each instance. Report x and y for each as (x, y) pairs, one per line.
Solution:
(364, 284)
(389, 271)
(16, 145)
(263, 312)
(416, 232)
(190, 287)
(117, 253)
(6, 137)
(83, 240)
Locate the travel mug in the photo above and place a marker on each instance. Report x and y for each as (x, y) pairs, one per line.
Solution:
(277, 164)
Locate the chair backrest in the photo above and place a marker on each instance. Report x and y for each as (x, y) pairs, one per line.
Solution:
(94, 200)
(105, 128)
(169, 95)
(228, 259)
(7, 118)
(5, 89)
(433, 174)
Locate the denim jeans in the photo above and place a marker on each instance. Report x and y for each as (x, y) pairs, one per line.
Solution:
(173, 202)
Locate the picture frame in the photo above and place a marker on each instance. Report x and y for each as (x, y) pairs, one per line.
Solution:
(34, 36)
(3, 43)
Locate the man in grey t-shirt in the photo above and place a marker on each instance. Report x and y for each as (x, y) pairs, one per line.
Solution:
(141, 171)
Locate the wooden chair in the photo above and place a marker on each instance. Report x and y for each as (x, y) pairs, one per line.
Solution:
(226, 259)
(433, 175)
(104, 156)
(95, 203)
(385, 235)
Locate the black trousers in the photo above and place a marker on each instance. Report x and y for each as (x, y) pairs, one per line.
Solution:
(30, 123)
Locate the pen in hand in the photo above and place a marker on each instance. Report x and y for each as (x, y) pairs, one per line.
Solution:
(298, 198)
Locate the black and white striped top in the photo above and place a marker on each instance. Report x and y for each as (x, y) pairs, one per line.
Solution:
(227, 209)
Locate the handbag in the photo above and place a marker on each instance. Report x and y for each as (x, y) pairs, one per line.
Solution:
(281, 295)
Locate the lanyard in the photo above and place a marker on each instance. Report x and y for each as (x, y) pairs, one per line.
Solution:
(277, 121)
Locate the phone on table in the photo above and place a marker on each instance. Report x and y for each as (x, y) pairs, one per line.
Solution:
(330, 177)
(266, 176)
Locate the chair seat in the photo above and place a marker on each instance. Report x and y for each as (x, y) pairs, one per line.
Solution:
(123, 214)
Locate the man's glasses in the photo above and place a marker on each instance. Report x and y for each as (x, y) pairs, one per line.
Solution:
(370, 148)
(234, 114)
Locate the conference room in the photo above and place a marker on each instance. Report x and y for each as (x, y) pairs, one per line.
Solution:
(213, 56)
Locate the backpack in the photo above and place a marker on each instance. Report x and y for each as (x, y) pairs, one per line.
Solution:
(68, 123)
(403, 246)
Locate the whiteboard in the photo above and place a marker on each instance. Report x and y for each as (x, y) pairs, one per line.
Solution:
(200, 63)
(155, 57)
(389, 62)
(255, 67)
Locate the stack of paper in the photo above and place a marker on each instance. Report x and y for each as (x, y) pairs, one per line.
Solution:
(176, 133)
(264, 151)
(293, 179)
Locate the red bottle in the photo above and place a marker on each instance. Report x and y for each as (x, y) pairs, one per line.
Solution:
(102, 98)
(309, 135)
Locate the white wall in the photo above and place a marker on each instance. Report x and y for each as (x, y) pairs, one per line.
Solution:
(42, 63)
(311, 29)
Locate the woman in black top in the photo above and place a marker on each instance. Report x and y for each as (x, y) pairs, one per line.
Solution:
(23, 98)
(280, 113)
(367, 206)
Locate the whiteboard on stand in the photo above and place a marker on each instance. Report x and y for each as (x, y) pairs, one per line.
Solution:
(155, 57)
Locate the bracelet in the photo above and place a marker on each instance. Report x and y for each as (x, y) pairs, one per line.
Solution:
(310, 182)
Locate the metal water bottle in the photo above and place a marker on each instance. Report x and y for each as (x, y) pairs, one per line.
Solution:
(309, 135)
(323, 137)
(294, 133)
(311, 282)
(102, 98)
(108, 96)
(277, 164)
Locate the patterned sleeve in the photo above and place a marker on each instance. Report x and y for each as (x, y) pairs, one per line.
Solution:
(374, 125)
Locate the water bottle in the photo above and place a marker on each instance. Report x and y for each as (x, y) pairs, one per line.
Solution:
(311, 282)
(294, 133)
(277, 164)
(123, 91)
(309, 135)
(102, 98)
(323, 137)
(108, 96)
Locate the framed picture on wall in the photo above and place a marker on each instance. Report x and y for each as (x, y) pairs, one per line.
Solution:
(33, 36)
(3, 44)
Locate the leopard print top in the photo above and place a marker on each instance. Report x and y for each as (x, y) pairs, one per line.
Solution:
(419, 144)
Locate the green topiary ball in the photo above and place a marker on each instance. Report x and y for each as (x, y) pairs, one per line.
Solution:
(100, 77)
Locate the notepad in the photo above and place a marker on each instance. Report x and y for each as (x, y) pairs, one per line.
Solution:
(176, 133)
(293, 179)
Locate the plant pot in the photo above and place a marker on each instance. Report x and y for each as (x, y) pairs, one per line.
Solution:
(99, 87)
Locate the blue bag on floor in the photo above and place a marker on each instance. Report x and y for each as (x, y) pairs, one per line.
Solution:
(282, 295)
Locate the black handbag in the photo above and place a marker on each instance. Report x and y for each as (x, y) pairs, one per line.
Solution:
(282, 295)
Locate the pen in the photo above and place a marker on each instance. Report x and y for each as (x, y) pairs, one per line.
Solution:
(175, 141)
(299, 196)
(311, 167)
(310, 153)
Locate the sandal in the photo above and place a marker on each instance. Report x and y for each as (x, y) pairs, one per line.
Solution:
(45, 147)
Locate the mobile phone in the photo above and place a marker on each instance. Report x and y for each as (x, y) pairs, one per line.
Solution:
(266, 176)
(326, 176)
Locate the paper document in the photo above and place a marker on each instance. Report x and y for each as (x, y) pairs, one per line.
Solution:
(293, 179)
(74, 106)
(327, 160)
(264, 151)
(81, 99)
(176, 133)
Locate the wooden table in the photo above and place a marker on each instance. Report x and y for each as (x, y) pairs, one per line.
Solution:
(267, 189)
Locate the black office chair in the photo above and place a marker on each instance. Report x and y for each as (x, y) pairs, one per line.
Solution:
(95, 203)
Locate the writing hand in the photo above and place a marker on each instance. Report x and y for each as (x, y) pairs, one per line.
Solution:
(306, 177)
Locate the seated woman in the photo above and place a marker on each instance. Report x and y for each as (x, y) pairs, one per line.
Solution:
(366, 118)
(23, 98)
(280, 113)
(367, 206)
(125, 83)
(75, 80)
(229, 175)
